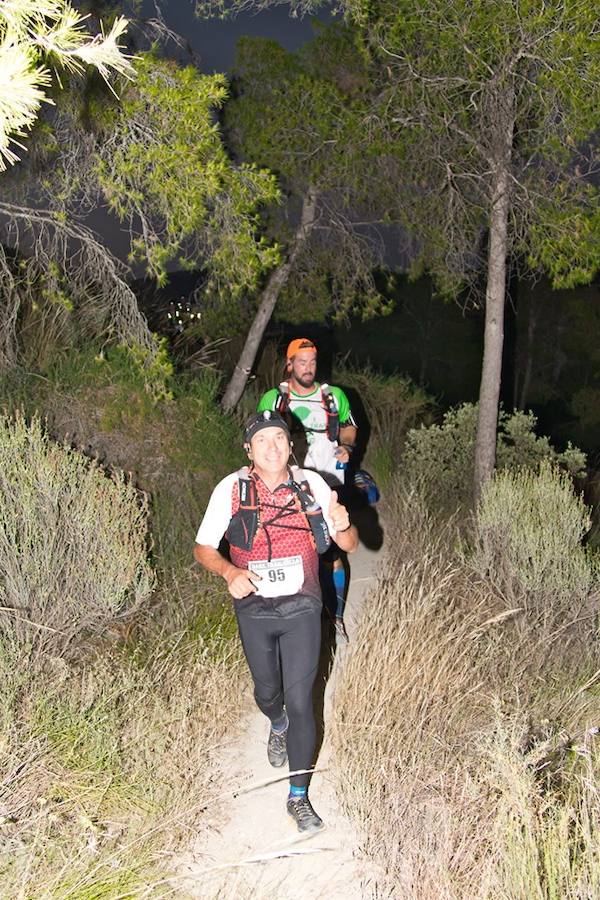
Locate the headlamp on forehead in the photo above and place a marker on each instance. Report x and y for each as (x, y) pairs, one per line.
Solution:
(265, 419)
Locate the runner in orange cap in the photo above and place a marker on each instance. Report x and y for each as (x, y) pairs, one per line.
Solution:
(324, 413)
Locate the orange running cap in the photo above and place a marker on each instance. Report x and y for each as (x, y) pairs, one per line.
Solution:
(297, 345)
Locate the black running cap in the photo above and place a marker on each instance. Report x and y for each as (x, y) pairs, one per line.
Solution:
(265, 419)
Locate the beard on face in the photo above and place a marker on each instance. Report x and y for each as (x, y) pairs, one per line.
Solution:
(305, 380)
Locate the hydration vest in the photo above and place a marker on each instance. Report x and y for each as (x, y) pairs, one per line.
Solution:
(246, 521)
(332, 427)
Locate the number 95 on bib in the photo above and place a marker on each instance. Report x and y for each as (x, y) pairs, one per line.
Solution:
(279, 577)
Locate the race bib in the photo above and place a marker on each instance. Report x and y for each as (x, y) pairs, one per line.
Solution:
(279, 577)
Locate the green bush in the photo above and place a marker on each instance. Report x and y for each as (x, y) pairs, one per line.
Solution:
(529, 528)
(175, 450)
(73, 540)
(439, 458)
(393, 405)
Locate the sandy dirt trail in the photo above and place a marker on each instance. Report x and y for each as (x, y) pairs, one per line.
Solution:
(254, 850)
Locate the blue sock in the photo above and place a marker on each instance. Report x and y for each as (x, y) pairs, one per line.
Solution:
(339, 583)
(281, 724)
(296, 792)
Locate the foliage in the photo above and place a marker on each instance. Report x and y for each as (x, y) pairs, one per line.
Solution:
(73, 541)
(299, 111)
(391, 405)
(34, 35)
(529, 529)
(174, 449)
(112, 733)
(466, 86)
(493, 138)
(305, 115)
(442, 70)
(114, 751)
(229, 8)
(439, 458)
(564, 243)
(155, 368)
(157, 158)
(466, 757)
(162, 162)
(64, 289)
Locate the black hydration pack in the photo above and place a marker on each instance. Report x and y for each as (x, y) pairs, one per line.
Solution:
(332, 428)
(244, 524)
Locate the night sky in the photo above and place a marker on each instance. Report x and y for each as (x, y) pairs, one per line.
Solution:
(214, 41)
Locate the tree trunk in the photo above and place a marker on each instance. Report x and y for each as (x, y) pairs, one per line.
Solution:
(495, 296)
(275, 284)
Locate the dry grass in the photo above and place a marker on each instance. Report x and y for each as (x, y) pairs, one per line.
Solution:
(463, 731)
(108, 724)
(107, 760)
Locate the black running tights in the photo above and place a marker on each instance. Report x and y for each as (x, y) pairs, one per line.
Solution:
(283, 656)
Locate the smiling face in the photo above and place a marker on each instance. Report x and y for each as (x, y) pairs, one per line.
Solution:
(269, 450)
(302, 369)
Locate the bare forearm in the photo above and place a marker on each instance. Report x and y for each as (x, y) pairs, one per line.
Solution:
(347, 439)
(212, 560)
(240, 582)
(347, 540)
(348, 435)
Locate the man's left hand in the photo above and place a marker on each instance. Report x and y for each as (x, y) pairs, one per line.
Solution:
(341, 454)
(338, 514)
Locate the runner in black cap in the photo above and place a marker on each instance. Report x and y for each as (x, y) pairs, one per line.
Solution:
(276, 519)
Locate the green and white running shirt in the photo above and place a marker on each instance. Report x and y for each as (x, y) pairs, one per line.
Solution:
(309, 410)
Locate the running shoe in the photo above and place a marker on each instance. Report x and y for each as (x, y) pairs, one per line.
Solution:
(303, 814)
(277, 748)
(341, 635)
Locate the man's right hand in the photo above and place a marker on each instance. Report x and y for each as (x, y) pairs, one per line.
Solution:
(241, 582)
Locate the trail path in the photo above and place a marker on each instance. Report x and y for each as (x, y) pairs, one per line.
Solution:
(253, 849)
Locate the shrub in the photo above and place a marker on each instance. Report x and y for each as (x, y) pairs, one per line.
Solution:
(466, 755)
(392, 405)
(529, 528)
(176, 450)
(73, 540)
(439, 458)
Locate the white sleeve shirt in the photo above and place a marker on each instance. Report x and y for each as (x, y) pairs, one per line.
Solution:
(218, 512)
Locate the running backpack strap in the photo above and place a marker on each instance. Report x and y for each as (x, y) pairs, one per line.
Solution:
(314, 515)
(332, 427)
(282, 403)
(244, 523)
